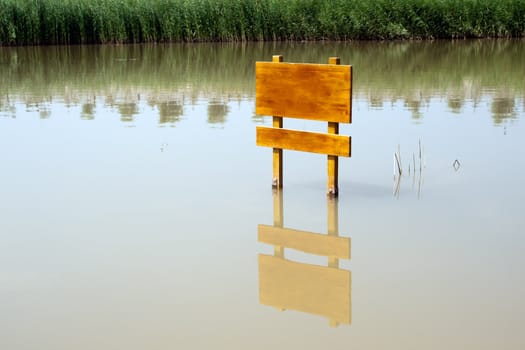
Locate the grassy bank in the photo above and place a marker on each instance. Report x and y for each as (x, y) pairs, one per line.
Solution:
(29, 22)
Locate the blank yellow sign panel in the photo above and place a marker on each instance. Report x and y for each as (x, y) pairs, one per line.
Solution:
(308, 288)
(306, 141)
(307, 91)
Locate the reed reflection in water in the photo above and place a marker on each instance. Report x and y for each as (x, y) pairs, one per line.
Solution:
(169, 77)
(285, 284)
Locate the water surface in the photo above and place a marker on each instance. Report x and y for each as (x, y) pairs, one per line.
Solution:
(131, 191)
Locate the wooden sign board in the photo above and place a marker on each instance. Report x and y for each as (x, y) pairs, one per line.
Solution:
(308, 288)
(307, 91)
(320, 92)
(336, 145)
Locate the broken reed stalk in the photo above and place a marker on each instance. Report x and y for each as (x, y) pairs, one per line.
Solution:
(399, 166)
(397, 186)
(398, 163)
(420, 156)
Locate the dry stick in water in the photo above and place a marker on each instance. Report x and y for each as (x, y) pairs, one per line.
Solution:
(399, 156)
(398, 162)
(414, 179)
(414, 158)
(420, 155)
(419, 187)
(424, 158)
(397, 186)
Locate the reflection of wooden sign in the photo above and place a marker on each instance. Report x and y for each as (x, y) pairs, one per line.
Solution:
(319, 290)
(308, 242)
(308, 91)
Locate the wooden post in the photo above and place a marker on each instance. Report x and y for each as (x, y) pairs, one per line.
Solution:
(333, 230)
(333, 161)
(277, 180)
(278, 219)
(333, 226)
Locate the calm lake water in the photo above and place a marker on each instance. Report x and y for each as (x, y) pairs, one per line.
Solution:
(131, 194)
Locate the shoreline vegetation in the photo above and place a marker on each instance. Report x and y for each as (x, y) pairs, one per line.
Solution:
(71, 22)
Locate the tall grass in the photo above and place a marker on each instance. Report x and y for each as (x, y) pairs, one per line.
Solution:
(29, 22)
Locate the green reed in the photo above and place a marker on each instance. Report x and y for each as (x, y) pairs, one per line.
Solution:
(29, 22)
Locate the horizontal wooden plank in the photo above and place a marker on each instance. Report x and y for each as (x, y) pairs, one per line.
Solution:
(308, 91)
(335, 145)
(308, 288)
(308, 242)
